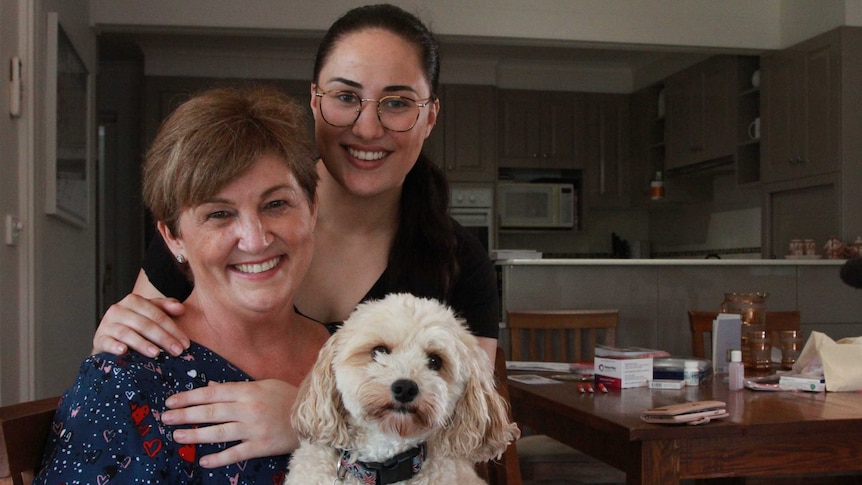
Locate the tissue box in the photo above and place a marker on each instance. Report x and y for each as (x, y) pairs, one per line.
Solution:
(623, 373)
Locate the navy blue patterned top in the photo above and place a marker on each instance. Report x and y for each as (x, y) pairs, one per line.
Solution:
(107, 429)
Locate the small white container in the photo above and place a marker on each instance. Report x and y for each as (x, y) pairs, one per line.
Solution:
(736, 371)
(691, 373)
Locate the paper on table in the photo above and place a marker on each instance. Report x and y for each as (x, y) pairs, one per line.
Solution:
(533, 379)
(549, 366)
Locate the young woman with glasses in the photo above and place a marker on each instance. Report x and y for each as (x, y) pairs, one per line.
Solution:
(383, 226)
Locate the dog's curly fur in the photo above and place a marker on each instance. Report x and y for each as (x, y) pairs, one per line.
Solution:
(347, 402)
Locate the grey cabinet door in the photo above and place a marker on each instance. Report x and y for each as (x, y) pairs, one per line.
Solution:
(801, 118)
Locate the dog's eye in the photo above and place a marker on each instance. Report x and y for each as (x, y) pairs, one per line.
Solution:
(435, 362)
(380, 349)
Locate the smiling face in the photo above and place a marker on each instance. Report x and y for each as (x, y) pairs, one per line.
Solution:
(365, 158)
(250, 244)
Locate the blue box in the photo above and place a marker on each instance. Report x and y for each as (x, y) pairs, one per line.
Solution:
(673, 368)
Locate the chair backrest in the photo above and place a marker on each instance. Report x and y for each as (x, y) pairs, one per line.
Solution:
(507, 470)
(560, 335)
(700, 324)
(24, 430)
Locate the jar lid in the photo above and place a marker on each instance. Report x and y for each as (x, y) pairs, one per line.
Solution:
(736, 356)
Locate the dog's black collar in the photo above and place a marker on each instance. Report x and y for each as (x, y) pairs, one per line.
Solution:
(396, 469)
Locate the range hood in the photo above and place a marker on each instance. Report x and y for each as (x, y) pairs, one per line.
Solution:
(705, 168)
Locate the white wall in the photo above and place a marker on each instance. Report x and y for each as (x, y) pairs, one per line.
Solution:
(65, 285)
(48, 281)
(801, 20)
(12, 258)
(698, 27)
(699, 23)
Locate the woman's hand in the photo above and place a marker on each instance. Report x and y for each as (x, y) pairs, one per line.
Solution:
(141, 324)
(256, 413)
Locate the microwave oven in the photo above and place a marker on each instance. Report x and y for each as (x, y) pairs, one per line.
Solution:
(536, 205)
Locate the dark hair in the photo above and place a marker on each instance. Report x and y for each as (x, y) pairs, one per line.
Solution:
(423, 256)
(422, 259)
(215, 137)
(390, 18)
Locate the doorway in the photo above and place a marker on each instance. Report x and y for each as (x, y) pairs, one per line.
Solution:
(120, 211)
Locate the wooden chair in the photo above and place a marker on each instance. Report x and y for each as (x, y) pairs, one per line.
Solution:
(700, 324)
(507, 470)
(24, 430)
(560, 336)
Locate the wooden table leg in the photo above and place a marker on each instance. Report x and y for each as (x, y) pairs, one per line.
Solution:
(659, 464)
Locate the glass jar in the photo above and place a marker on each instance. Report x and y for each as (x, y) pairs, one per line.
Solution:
(752, 308)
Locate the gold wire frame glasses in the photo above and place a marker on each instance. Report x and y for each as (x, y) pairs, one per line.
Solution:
(396, 113)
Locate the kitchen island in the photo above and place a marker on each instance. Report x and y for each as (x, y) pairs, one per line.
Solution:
(653, 296)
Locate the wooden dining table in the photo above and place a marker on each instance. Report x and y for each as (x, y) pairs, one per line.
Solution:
(768, 433)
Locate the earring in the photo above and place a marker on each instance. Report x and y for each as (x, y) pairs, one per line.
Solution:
(181, 259)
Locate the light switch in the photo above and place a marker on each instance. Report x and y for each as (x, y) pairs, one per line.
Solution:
(14, 226)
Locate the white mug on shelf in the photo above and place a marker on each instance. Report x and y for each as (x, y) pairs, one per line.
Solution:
(755, 79)
(754, 129)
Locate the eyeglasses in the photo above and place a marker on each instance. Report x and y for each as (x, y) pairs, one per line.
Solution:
(396, 113)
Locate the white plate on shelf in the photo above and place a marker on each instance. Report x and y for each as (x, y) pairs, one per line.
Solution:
(803, 256)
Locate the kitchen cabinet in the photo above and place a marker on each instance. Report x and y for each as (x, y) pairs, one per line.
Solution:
(810, 123)
(608, 149)
(541, 129)
(801, 211)
(701, 103)
(802, 109)
(463, 143)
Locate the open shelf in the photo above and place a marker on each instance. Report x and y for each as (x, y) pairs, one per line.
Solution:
(747, 114)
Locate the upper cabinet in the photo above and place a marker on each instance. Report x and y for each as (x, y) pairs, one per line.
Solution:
(701, 108)
(802, 109)
(810, 124)
(541, 129)
(464, 141)
(608, 148)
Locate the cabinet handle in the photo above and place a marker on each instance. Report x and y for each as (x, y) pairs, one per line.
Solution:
(535, 155)
(544, 155)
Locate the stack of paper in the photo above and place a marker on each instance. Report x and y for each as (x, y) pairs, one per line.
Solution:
(550, 366)
(628, 352)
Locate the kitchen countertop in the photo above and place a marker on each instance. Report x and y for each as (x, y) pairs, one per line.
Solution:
(670, 262)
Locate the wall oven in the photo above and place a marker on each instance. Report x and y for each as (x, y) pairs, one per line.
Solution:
(472, 206)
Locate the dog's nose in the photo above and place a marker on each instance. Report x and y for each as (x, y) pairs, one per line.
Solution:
(404, 390)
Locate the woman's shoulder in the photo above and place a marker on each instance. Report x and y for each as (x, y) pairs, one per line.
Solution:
(196, 366)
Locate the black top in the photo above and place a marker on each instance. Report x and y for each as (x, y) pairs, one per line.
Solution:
(473, 296)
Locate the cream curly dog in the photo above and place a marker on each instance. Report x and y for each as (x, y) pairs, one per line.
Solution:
(402, 393)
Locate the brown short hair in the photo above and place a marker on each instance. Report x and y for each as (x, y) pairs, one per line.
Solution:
(214, 137)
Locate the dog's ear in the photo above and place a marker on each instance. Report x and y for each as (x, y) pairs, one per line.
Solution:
(319, 414)
(480, 428)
